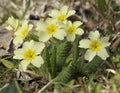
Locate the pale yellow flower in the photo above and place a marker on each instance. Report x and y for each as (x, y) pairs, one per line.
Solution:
(62, 14)
(95, 46)
(22, 32)
(49, 28)
(29, 53)
(73, 29)
(13, 24)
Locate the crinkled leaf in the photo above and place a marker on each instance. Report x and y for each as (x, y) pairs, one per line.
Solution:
(92, 66)
(65, 75)
(71, 71)
(53, 61)
(62, 54)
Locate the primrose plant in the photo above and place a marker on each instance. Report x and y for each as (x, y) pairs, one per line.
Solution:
(58, 40)
(95, 46)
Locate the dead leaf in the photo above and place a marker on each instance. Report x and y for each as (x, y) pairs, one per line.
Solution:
(90, 25)
(5, 40)
(116, 43)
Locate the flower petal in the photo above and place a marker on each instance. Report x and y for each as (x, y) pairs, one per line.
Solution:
(41, 26)
(64, 10)
(104, 41)
(70, 37)
(54, 13)
(23, 65)
(71, 12)
(25, 24)
(69, 23)
(89, 55)
(28, 45)
(60, 35)
(44, 36)
(18, 54)
(38, 46)
(17, 40)
(94, 35)
(38, 61)
(79, 31)
(103, 54)
(13, 23)
(18, 32)
(84, 43)
(30, 27)
(51, 21)
(77, 23)
(9, 28)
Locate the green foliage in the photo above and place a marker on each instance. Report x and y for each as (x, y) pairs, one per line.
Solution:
(55, 58)
(63, 51)
(53, 62)
(70, 72)
(64, 61)
(50, 59)
(65, 75)
(116, 60)
(102, 5)
(12, 87)
(92, 66)
(9, 66)
(7, 63)
(46, 57)
(66, 89)
(76, 69)
(26, 9)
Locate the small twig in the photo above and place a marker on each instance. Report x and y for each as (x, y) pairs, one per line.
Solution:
(43, 88)
(32, 73)
(110, 65)
(4, 87)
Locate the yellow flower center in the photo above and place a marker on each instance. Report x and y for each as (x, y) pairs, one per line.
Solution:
(30, 55)
(95, 45)
(24, 33)
(52, 28)
(71, 29)
(62, 17)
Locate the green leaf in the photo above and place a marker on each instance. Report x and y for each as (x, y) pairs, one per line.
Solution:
(49, 56)
(13, 87)
(7, 63)
(78, 67)
(26, 9)
(98, 88)
(1, 85)
(116, 58)
(63, 51)
(65, 75)
(92, 66)
(55, 57)
(46, 57)
(75, 49)
(70, 72)
(53, 62)
(102, 5)
(71, 83)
